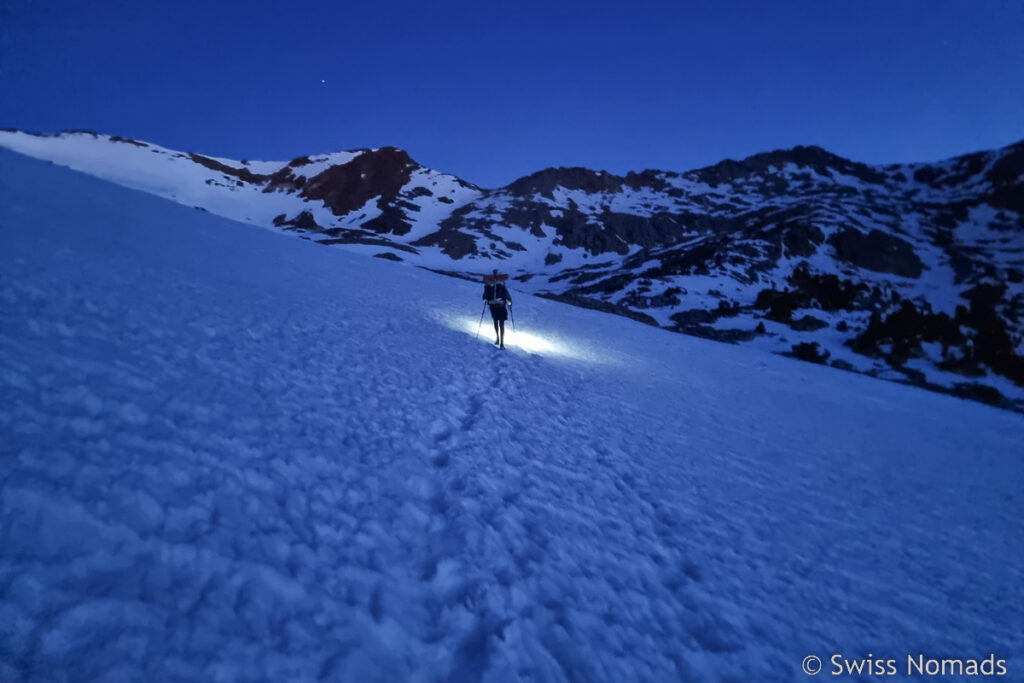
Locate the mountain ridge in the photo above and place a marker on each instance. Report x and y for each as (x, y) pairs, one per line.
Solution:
(910, 272)
(803, 151)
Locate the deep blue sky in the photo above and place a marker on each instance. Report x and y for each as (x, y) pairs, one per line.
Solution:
(493, 91)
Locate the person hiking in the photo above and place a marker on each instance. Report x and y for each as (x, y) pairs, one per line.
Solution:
(497, 297)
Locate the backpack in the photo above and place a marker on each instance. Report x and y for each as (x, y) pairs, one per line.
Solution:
(494, 288)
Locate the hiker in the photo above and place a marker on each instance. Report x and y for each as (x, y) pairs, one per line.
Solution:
(497, 297)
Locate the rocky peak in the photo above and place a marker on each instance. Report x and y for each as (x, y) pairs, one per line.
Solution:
(346, 187)
(811, 156)
(591, 182)
(1007, 178)
(570, 178)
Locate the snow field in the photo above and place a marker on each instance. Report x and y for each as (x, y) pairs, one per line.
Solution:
(233, 456)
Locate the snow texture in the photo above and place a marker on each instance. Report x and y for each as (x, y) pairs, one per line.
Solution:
(985, 246)
(229, 455)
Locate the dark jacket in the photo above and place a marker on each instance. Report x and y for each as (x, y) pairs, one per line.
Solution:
(496, 294)
(497, 297)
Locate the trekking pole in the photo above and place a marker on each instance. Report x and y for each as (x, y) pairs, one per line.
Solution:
(512, 315)
(482, 311)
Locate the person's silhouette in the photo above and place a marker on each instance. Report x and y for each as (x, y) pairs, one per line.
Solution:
(497, 297)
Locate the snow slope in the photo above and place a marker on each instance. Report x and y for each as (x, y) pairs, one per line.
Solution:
(228, 455)
(911, 272)
(219, 187)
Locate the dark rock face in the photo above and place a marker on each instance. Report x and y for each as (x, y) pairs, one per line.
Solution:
(811, 157)
(877, 251)
(779, 306)
(529, 216)
(304, 221)
(129, 141)
(343, 188)
(811, 290)
(647, 231)
(809, 351)
(979, 392)
(452, 241)
(242, 174)
(379, 174)
(608, 232)
(391, 219)
(698, 322)
(827, 292)
(573, 178)
(699, 259)
(695, 316)
(1007, 178)
(993, 344)
(976, 336)
(808, 323)
(802, 239)
(340, 236)
(645, 300)
(728, 336)
(649, 179)
(964, 168)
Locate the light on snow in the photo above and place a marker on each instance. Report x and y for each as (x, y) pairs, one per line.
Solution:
(531, 342)
(528, 342)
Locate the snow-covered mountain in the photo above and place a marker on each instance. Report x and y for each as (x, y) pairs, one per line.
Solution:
(912, 272)
(227, 455)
